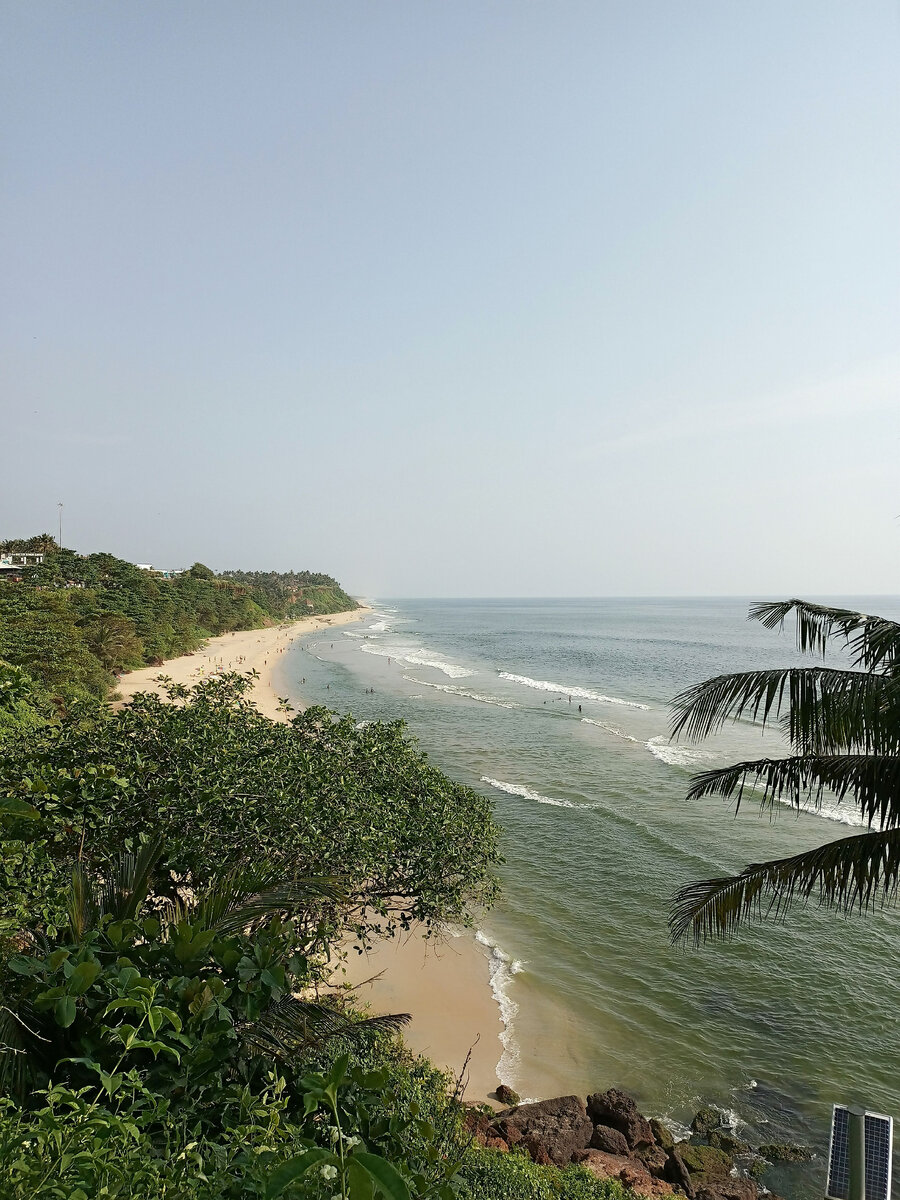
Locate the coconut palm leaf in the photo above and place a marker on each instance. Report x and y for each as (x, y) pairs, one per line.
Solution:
(233, 903)
(873, 641)
(129, 886)
(292, 1026)
(867, 781)
(826, 710)
(851, 874)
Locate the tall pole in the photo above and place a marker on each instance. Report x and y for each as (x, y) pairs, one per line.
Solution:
(857, 1153)
(60, 507)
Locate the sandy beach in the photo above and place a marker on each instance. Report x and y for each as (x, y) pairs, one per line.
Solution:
(248, 649)
(444, 983)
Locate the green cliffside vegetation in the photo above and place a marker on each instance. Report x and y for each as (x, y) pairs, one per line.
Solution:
(74, 621)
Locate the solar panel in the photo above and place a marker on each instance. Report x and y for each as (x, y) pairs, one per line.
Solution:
(878, 1156)
(878, 1137)
(838, 1186)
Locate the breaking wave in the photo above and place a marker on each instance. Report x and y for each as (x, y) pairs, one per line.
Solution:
(418, 658)
(619, 733)
(564, 689)
(502, 969)
(527, 793)
(451, 690)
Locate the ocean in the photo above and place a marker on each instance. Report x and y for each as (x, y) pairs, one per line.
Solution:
(558, 710)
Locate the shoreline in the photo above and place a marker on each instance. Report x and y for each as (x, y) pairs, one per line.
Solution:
(444, 981)
(244, 650)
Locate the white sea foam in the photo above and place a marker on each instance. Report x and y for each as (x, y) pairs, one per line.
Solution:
(527, 793)
(452, 690)
(502, 969)
(564, 689)
(347, 633)
(418, 658)
(378, 627)
(676, 755)
(619, 733)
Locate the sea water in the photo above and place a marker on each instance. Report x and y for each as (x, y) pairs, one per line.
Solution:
(558, 710)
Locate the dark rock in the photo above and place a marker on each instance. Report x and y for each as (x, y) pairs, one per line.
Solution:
(733, 1188)
(618, 1110)
(677, 1173)
(785, 1152)
(552, 1128)
(608, 1139)
(506, 1095)
(705, 1161)
(722, 1140)
(654, 1159)
(627, 1171)
(662, 1134)
(706, 1119)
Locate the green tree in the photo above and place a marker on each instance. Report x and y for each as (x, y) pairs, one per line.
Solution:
(843, 727)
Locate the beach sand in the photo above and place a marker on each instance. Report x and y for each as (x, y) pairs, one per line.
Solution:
(444, 983)
(248, 649)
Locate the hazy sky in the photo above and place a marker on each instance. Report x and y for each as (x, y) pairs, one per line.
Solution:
(469, 298)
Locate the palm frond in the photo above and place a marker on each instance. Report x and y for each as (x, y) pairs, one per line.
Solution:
(850, 874)
(292, 1026)
(874, 642)
(867, 781)
(81, 904)
(129, 886)
(827, 710)
(233, 902)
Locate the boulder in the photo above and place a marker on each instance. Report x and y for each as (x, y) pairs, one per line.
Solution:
(733, 1188)
(662, 1134)
(608, 1139)
(507, 1096)
(706, 1119)
(654, 1159)
(551, 1129)
(723, 1140)
(704, 1161)
(618, 1110)
(677, 1173)
(627, 1171)
(785, 1152)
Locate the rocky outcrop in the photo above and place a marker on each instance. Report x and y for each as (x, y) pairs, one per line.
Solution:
(619, 1111)
(626, 1170)
(612, 1139)
(609, 1140)
(507, 1096)
(551, 1129)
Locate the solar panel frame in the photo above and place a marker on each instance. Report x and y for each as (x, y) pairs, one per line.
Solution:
(879, 1137)
(837, 1186)
(878, 1142)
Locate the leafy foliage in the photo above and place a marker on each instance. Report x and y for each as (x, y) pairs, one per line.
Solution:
(220, 782)
(843, 726)
(74, 621)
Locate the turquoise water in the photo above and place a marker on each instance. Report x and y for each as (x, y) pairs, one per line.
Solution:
(774, 1026)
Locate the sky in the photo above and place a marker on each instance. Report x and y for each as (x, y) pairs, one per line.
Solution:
(477, 298)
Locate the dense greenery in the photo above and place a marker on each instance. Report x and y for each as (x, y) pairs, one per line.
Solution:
(844, 731)
(173, 879)
(218, 781)
(74, 621)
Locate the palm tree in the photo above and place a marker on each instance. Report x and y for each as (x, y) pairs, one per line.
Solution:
(843, 726)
